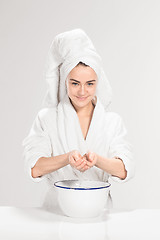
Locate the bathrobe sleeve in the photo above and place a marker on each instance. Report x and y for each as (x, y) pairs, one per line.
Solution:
(121, 148)
(37, 144)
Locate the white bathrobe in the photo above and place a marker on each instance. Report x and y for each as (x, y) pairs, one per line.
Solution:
(57, 131)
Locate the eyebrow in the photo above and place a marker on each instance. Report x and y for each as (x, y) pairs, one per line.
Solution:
(79, 81)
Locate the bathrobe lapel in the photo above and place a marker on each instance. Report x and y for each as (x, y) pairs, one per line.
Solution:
(69, 129)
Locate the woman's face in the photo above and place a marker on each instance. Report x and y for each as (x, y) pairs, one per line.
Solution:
(81, 85)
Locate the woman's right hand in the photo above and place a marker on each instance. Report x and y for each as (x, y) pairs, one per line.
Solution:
(77, 161)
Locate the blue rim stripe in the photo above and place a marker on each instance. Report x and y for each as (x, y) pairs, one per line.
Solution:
(81, 188)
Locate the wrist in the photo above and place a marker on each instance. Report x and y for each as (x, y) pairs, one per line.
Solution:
(99, 160)
(67, 157)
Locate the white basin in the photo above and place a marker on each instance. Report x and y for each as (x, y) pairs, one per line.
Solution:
(82, 199)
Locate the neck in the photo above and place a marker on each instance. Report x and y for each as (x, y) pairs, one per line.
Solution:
(84, 111)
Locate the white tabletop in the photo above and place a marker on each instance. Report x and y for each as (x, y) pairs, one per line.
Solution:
(36, 223)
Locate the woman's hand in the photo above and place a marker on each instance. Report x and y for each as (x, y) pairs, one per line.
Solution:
(77, 161)
(91, 159)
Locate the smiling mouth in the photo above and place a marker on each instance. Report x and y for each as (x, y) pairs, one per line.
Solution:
(81, 98)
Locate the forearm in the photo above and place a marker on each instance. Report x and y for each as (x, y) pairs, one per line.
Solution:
(113, 166)
(46, 165)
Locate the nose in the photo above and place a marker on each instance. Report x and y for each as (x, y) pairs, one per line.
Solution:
(82, 90)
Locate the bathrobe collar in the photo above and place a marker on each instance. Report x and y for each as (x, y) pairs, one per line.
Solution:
(70, 130)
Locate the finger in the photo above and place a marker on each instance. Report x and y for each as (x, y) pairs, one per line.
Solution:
(82, 170)
(89, 164)
(81, 165)
(91, 157)
(77, 155)
(85, 168)
(71, 159)
(79, 162)
(84, 157)
(72, 162)
(77, 159)
(88, 155)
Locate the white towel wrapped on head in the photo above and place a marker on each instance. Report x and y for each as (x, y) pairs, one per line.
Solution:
(66, 51)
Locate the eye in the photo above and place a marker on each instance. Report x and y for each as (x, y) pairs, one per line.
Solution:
(90, 84)
(74, 83)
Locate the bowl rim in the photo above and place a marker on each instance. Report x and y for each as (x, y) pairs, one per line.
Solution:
(82, 188)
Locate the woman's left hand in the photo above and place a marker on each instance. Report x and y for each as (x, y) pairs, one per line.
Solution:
(91, 159)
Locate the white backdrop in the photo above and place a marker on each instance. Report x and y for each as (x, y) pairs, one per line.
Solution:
(127, 35)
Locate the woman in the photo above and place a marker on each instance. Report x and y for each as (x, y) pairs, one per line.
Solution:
(75, 136)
